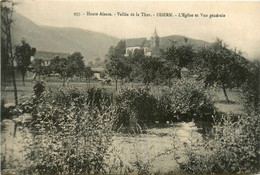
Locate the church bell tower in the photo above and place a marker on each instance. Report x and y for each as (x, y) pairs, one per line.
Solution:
(155, 40)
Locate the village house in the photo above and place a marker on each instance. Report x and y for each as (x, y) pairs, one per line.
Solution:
(46, 57)
(97, 72)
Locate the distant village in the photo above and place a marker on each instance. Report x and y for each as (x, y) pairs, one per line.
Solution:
(151, 47)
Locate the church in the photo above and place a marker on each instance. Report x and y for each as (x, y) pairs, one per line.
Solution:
(151, 47)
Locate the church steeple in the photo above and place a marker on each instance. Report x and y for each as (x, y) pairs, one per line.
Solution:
(155, 40)
(155, 33)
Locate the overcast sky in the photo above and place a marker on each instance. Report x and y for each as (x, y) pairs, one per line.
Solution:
(240, 28)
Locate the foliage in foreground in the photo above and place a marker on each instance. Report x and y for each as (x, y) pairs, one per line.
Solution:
(136, 106)
(5, 111)
(231, 147)
(251, 91)
(68, 139)
(186, 101)
(72, 130)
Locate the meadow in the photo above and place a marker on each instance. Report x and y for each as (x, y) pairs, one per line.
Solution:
(27, 90)
(158, 148)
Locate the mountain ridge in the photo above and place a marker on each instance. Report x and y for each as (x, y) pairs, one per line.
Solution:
(71, 39)
(61, 39)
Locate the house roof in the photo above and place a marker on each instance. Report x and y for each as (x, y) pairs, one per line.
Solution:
(135, 42)
(98, 69)
(47, 56)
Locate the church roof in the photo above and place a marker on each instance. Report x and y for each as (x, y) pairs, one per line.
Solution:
(136, 42)
(147, 43)
(47, 56)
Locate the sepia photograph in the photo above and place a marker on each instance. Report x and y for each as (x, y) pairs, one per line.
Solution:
(130, 87)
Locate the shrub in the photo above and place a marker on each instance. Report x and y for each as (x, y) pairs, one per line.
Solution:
(231, 147)
(5, 112)
(38, 88)
(98, 97)
(136, 106)
(250, 91)
(27, 105)
(187, 100)
(68, 140)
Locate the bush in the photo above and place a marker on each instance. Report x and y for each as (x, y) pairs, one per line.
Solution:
(5, 112)
(68, 140)
(186, 101)
(231, 147)
(136, 106)
(38, 88)
(98, 97)
(27, 105)
(250, 91)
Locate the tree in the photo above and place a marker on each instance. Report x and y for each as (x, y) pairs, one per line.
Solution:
(168, 71)
(88, 73)
(54, 64)
(180, 57)
(62, 69)
(150, 69)
(76, 65)
(5, 63)
(251, 89)
(6, 40)
(218, 65)
(46, 71)
(58, 66)
(134, 60)
(38, 67)
(116, 65)
(23, 55)
(121, 47)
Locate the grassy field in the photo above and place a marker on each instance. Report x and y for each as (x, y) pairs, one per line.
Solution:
(27, 90)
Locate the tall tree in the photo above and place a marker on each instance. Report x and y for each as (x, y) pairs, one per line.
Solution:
(76, 65)
(181, 57)
(121, 47)
(88, 73)
(134, 60)
(150, 69)
(168, 71)
(251, 89)
(23, 55)
(5, 62)
(221, 66)
(54, 65)
(7, 8)
(38, 67)
(63, 70)
(116, 65)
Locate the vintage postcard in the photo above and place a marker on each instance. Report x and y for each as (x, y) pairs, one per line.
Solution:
(130, 87)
